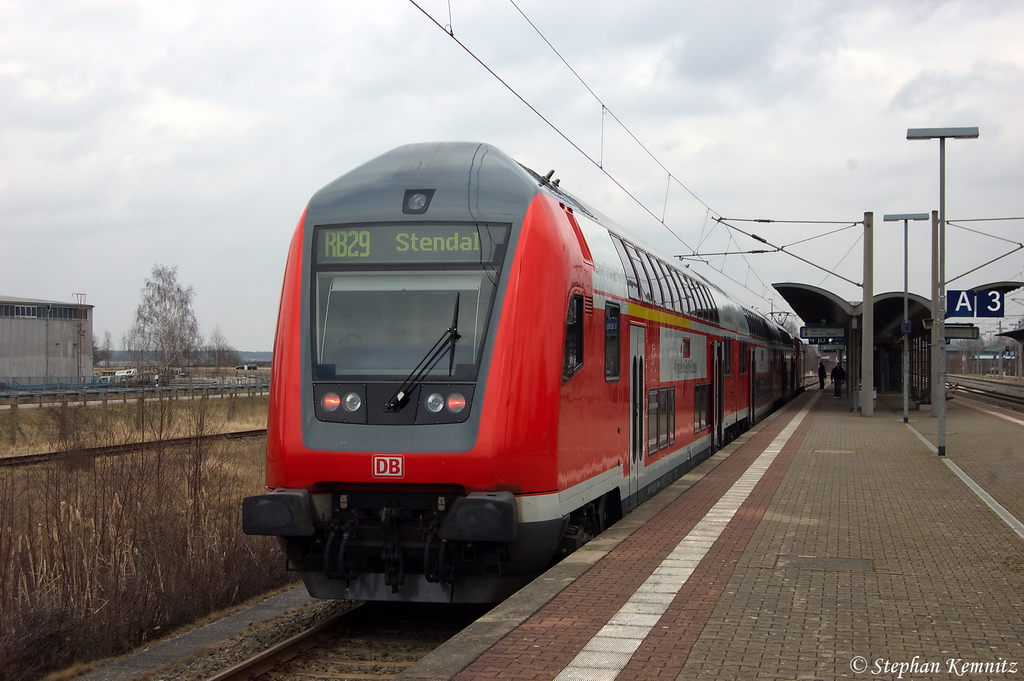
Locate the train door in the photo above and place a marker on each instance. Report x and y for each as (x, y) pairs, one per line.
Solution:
(717, 396)
(638, 412)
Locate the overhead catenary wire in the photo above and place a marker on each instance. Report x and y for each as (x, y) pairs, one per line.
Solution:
(604, 107)
(781, 249)
(550, 124)
(1018, 245)
(600, 164)
(600, 161)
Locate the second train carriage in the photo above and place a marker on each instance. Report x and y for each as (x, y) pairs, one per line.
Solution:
(475, 373)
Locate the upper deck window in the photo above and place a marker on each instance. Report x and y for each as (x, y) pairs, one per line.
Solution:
(632, 283)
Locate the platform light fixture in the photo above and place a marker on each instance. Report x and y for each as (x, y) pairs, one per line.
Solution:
(906, 217)
(939, 276)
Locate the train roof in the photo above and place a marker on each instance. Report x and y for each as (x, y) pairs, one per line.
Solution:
(376, 191)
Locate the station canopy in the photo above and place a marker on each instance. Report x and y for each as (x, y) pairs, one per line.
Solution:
(815, 305)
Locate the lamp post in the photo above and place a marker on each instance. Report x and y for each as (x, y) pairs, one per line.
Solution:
(906, 217)
(867, 332)
(939, 323)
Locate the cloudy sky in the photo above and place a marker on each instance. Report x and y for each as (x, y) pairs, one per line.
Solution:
(191, 134)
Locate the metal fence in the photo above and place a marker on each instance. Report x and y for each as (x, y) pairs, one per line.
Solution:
(30, 388)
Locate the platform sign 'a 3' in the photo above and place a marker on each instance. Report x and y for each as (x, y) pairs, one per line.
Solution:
(974, 303)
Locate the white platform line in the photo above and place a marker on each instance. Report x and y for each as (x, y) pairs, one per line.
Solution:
(1007, 517)
(1006, 417)
(610, 650)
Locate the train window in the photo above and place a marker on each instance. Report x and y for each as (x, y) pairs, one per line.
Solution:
(696, 307)
(627, 265)
(677, 293)
(708, 407)
(684, 292)
(660, 299)
(381, 324)
(698, 296)
(672, 415)
(663, 418)
(710, 311)
(667, 286)
(727, 357)
(700, 406)
(744, 357)
(573, 360)
(712, 307)
(652, 421)
(611, 342)
(641, 273)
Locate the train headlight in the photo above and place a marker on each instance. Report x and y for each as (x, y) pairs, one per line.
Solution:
(434, 402)
(340, 402)
(456, 403)
(444, 403)
(331, 401)
(352, 402)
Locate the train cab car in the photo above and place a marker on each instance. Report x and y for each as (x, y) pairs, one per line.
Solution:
(475, 373)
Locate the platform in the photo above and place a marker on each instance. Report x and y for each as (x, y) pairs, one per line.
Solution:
(820, 545)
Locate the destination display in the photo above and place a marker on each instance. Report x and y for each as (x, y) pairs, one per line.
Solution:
(411, 243)
(962, 331)
(822, 331)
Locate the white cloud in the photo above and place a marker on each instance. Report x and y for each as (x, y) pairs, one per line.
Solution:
(192, 134)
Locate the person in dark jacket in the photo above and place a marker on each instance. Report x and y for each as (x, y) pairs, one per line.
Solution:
(838, 376)
(821, 375)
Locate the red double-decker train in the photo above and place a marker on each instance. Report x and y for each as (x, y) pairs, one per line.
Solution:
(475, 373)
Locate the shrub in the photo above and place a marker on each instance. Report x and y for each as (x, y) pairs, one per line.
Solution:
(101, 555)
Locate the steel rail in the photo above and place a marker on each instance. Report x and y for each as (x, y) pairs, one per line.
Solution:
(113, 450)
(280, 653)
(970, 391)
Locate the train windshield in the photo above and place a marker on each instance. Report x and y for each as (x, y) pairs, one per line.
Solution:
(386, 292)
(380, 325)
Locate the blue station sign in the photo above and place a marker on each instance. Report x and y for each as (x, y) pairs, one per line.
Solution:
(975, 303)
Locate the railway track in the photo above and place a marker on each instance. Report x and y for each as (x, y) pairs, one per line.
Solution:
(370, 641)
(114, 450)
(981, 393)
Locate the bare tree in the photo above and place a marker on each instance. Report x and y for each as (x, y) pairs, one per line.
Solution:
(165, 332)
(101, 354)
(219, 351)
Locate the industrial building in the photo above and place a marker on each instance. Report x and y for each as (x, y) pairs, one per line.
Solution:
(45, 340)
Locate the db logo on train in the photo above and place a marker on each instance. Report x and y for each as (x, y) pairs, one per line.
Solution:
(388, 466)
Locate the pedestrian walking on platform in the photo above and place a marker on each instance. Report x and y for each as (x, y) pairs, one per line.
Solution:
(821, 375)
(838, 376)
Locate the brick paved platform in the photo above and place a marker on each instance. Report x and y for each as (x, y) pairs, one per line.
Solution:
(820, 545)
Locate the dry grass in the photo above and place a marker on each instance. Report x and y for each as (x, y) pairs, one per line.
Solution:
(31, 429)
(98, 556)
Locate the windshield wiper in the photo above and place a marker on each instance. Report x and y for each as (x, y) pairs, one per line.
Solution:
(446, 341)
